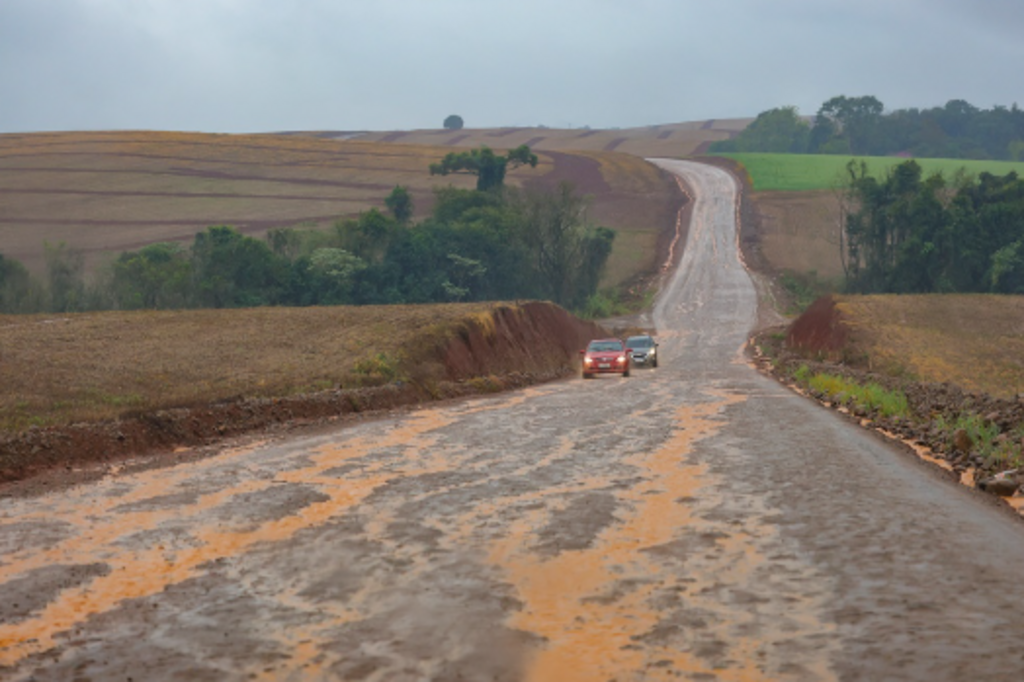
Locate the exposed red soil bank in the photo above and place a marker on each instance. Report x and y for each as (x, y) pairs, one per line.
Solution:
(819, 331)
(511, 347)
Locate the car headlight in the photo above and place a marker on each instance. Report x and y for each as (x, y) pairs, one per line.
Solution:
(622, 358)
(587, 360)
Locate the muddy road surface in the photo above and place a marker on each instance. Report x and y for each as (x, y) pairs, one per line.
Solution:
(694, 522)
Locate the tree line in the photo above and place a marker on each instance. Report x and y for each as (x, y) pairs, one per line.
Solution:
(906, 233)
(860, 126)
(487, 244)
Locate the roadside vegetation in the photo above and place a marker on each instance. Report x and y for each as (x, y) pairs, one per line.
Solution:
(837, 195)
(990, 441)
(941, 371)
(870, 397)
(908, 233)
(979, 434)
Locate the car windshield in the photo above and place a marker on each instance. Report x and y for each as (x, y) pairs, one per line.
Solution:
(640, 342)
(605, 346)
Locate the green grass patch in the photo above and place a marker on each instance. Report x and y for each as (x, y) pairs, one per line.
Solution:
(802, 172)
(987, 439)
(999, 450)
(869, 397)
(378, 369)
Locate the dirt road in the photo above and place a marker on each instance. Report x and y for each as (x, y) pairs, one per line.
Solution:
(693, 522)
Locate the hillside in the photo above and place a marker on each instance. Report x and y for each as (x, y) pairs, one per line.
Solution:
(106, 192)
(673, 140)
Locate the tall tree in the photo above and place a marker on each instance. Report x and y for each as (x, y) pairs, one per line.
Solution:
(847, 122)
(568, 253)
(232, 270)
(399, 202)
(906, 233)
(488, 167)
(155, 276)
(19, 291)
(65, 268)
(778, 130)
(333, 272)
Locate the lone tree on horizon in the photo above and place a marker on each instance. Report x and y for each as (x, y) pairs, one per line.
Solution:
(454, 122)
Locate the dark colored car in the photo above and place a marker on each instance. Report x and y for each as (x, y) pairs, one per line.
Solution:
(644, 350)
(605, 356)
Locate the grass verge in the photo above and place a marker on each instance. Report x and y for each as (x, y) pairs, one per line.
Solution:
(870, 397)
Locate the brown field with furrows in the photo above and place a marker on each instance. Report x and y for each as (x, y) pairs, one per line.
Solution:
(58, 370)
(670, 140)
(107, 192)
(634, 197)
(799, 231)
(975, 341)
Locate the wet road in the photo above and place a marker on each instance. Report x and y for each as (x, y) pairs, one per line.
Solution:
(693, 522)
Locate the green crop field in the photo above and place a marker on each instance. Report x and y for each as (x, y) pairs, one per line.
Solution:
(802, 172)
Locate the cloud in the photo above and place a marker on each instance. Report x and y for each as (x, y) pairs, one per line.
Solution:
(251, 65)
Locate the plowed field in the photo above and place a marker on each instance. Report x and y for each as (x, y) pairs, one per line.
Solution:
(107, 192)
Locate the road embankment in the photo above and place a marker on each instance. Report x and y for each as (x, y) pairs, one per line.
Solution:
(844, 352)
(488, 349)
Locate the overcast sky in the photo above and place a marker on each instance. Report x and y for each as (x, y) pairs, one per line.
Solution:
(268, 65)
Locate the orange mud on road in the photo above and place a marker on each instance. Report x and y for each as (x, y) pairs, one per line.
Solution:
(573, 600)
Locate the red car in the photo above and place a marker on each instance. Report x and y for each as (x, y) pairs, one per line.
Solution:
(605, 356)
